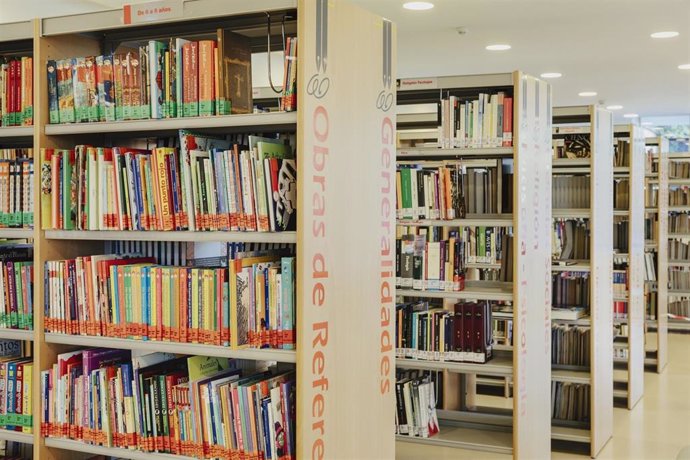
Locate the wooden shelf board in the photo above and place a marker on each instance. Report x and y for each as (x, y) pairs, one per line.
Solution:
(575, 213)
(498, 366)
(621, 169)
(9, 132)
(570, 434)
(257, 354)
(678, 235)
(571, 376)
(679, 263)
(16, 334)
(483, 265)
(678, 325)
(467, 438)
(584, 321)
(247, 237)
(481, 220)
(679, 208)
(434, 152)
(272, 121)
(16, 436)
(578, 266)
(560, 162)
(679, 292)
(117, 452)
(621, 213)
(16, 233)
(489, 290)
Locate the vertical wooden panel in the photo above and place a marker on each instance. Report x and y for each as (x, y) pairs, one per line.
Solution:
(346, 288)
(532, 270)
(602, 279)
(662, 259)
(636, 349)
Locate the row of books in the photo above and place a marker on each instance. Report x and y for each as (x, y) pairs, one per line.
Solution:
(570, 192)
(679, 307)
(570, 289)
(11, 450)
(427, 190)
(679, 196)
(570, 239)
(651, 196)
(651, 300)
(621, 194)
(570, 345)
(415, 403)
(650, 266)
(16, 188)
(249, 303)
(620, 283)
(486, 121)
(570, 401)
(678, 222)
(16, 292)
(572, 146)
(194, 406)
(16, 91)
(621, 235)
(620, 309)
(678, 170)
(160, 79)
(678, 249)
(16, 394)
(426, 260)
(621, 153)
(503, 330)
(679, 278)
(650, 227)
(288, 97)
(435, 334)
(206, 185)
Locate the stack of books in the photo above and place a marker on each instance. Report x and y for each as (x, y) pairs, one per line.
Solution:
(16, 91)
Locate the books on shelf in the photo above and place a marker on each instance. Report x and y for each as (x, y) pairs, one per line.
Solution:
(570, 192)
(205, 185)
(415, 402)
(248, 303)
(16, 188)
(289, 94)
(570, 401)
(572, 146)
(620, 282)
(570, 289)
(486, 121)
(650, 259)
(679, 278)
(678, 222)
(193, 406)
(679, 307)
(16, 394)
(568, 313)
(679, 250)
(167, 78)
(16, 91)
(621, 194)
(621, 234)
(570, 345)
(570, 240)
(678, 170)
(679, 196)
(436, 334)
(16, 286)
(621, 153)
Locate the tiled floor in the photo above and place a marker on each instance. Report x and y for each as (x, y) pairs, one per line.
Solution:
(657, 428)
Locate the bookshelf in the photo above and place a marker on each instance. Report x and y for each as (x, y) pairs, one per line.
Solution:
(589, 129)
(523, 431)
(634, 341)
(678, 236)
(338, 128)
(657, 185)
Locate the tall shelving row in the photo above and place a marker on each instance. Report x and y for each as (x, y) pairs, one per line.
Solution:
(333, 148)
(583, 173)
(17, 39)
(678, 238)
(629, 221)
(462, 423)
(656, 223)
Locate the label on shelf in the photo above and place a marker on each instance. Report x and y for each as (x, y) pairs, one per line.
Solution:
(161, 10)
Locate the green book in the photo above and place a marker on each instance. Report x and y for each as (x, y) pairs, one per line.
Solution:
(406, 186)
(200, 367)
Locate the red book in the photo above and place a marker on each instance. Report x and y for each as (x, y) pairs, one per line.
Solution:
(479, 327)
(185, 277)
(468, 326)
(507, 122)
(458, 329)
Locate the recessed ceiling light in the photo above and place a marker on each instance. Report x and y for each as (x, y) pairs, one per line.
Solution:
(614, 107)
(630, 115)
(418, 6)
(684, 67)
(551, 75)
(498, 47)
(587, 93)
(665, 34)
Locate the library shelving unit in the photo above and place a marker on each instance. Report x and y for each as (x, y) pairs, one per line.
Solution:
(345, 139)
(656, 291)
(629, 386)
(677, 320)
(16, 39)
(523, 430)
(595, 125)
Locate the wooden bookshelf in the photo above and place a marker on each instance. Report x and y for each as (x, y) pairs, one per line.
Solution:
(656, 350)
(634, 296)
(16, 436)
(598, 124)
(527, 431)
(342, 119)
(668, 323)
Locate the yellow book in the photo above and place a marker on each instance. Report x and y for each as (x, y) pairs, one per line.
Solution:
(167, 278)
(175, 304)
(27, 395)
(209, 305)
(195, 305)
(155, 288)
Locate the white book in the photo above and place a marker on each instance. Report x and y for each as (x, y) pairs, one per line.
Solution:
(433, 265)
(414, 194)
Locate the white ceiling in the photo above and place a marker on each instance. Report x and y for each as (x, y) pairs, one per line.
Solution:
(598, 45)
